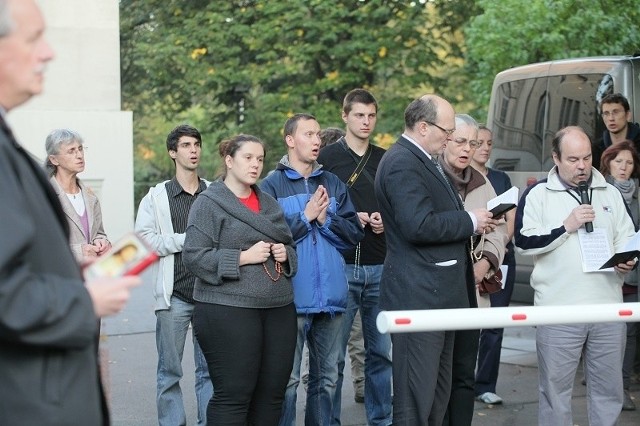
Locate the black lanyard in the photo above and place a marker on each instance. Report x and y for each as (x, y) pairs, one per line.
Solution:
(578, 199)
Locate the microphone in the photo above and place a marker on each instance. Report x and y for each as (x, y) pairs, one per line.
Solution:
(583, 189)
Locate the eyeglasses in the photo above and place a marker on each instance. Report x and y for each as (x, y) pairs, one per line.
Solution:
(448, 132)
(74, 151)
(462, 141)
(614, 113)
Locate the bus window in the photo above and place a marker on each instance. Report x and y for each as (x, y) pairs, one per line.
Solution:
(518, 125)
(573, 101)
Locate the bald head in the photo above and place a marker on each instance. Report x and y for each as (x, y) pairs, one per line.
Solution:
(425, 108)
(429, 120)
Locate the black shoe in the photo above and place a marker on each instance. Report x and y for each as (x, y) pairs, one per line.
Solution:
(627, 402)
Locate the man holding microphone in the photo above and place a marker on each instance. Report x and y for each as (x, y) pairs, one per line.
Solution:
(549, 219)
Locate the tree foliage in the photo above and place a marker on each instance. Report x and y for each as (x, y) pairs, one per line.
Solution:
(510, 33)
(246, 65)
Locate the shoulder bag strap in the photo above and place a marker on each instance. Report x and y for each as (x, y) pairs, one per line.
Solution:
(360, 164)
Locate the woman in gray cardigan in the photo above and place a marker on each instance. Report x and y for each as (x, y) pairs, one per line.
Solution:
(240, 249)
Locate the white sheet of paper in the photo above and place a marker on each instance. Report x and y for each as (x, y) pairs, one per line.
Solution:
(504, 269)
(595, 249)
(633, 243)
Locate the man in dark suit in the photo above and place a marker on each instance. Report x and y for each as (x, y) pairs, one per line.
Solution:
(427, 265)
(48, 315)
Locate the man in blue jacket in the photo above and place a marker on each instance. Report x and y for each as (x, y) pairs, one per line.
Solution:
(323, 221)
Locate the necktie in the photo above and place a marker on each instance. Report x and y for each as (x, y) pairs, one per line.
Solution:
(440, 169)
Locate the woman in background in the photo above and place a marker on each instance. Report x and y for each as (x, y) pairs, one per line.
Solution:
(65, 160)
(487, 253)
(491, 339)
(618, 166)
(240, 248)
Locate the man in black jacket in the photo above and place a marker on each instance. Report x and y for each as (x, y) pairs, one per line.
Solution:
(355, 160)
(616, 115)
(427, 264)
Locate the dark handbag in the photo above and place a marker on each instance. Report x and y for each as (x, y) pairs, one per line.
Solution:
(491, 283)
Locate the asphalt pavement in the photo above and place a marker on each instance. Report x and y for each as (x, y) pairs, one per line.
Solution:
(129, 346)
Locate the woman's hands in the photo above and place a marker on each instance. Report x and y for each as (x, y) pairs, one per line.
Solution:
(260, 252)
(279, 252)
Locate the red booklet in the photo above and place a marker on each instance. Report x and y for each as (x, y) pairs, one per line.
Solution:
(130, 255)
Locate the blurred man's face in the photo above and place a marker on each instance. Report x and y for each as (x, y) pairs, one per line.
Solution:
(23, 54)
(615, 117)
(574, 163)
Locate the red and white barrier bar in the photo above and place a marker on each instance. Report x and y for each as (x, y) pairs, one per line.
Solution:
(476, 318)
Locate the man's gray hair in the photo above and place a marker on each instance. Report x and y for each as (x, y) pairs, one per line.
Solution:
(54, 141)
(6, 24)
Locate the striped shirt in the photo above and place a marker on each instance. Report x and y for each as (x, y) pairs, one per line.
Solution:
(180, 203)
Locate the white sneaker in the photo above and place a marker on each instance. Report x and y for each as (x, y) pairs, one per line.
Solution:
(489, 398)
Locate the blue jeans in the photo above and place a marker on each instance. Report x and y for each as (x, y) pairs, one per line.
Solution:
(172, 326)
(321, 332)
(364, 292)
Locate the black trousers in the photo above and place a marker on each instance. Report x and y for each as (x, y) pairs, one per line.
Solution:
(249, 353)
(491, 338)
(421, 377)
(461, 401)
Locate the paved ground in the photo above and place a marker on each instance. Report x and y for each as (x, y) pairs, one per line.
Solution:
(129, 343)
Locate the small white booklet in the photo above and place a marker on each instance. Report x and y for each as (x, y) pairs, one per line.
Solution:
(503, 202)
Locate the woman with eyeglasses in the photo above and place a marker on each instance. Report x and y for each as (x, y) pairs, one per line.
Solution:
(487, 253)
(65, 160)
